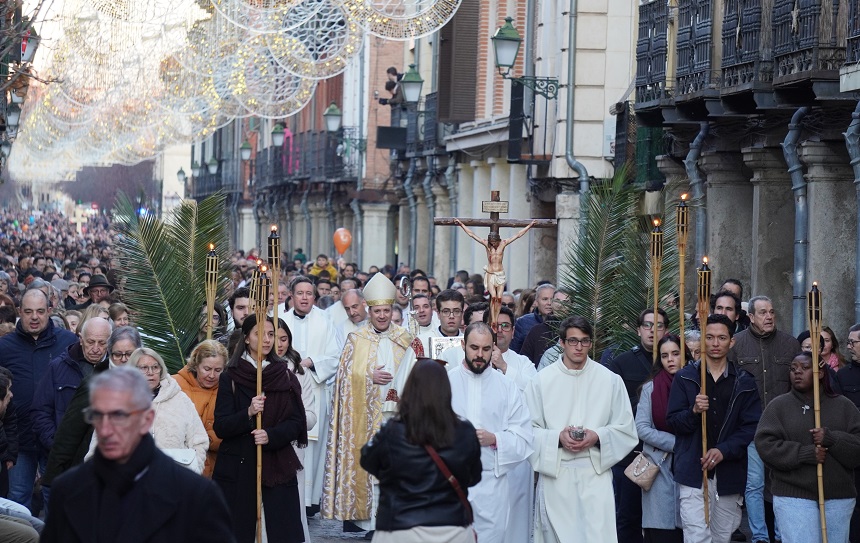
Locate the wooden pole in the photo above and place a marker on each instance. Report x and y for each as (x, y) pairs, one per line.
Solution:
(704, 303)
(656, 264)
(813, 304)
(682, 219)
(211, 287)
(261, 311)
(275, 265)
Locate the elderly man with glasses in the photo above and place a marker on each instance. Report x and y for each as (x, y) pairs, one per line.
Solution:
(634, 366)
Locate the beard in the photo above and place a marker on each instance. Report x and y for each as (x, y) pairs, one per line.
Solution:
(477, 370)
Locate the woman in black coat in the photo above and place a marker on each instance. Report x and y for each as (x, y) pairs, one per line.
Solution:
(417, 503)
(283, 425)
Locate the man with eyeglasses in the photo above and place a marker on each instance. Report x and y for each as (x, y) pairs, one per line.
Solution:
(634, 367)
(64, 374)
(766, 353)
(848, 380)
(583, 425)
(542, 336)
(449, 307)
(129, 490)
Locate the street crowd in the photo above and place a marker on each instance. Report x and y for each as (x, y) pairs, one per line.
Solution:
(399, 404)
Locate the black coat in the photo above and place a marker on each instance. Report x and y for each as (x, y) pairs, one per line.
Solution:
(412, 490)
(236, 467)
(173, 504)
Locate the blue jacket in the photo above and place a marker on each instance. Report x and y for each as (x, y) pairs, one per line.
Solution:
(736, 434)
(522, 328)
(27, 359)
(54, 392)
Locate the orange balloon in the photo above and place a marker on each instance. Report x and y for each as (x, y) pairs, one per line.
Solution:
(342, 240)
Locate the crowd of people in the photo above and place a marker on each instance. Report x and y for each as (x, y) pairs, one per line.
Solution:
(405, 413)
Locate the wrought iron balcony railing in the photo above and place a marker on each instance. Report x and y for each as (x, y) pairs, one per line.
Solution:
(695, 72)
(808, 41)
(651, 53)
(747, 46)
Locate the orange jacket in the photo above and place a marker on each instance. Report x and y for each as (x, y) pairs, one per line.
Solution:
(204, 401)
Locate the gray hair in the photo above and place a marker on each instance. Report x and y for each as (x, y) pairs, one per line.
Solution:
(91, 322)
(544, 286)
(356, 291)
(38, 283)
(123, 379)
(140, 352)
(755, 299)
(692, 335)
(124, 332)
(5, 277)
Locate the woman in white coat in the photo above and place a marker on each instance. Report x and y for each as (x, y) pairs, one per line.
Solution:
(176, 428)
(660, 516)
(285, 350)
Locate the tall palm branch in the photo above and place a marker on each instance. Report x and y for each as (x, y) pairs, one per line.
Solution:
(607, 272)
(163, 263)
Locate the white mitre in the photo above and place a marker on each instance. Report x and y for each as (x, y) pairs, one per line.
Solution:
(379, 291)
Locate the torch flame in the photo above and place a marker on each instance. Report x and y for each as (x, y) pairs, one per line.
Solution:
(211, 246)
(704, 260)
(656, 223)
(263, 268)
(815, 284)
(684, 197)
(259, 262)
(274, 228)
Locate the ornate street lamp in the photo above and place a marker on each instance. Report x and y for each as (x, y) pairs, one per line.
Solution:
(506, 47)
(196, 169)
(212, 165)
(245, 151)
(278, 135)
(180, 176)
(333, 117)
(411, 84)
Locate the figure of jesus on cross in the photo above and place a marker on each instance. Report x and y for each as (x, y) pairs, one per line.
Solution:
(494, 276)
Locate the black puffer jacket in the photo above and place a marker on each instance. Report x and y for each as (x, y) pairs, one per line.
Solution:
(412, 490)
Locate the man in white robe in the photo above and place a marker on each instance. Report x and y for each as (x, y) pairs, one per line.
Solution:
(449, 306)
(313, 335)
(495, 406)
(583, 425)
(337, 311)
(356, 312)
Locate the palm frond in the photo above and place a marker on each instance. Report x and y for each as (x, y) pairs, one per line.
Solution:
(164, 268)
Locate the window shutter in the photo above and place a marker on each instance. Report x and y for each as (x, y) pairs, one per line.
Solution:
(458, 64)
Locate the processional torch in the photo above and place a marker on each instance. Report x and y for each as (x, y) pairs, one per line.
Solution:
(211, 280)
(704, 303)
(275, 265)
(682, 219)
(813, 306)
(656, 264)
(260, 311)
(405, 288)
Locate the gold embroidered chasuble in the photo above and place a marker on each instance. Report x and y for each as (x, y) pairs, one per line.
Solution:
(359, 407)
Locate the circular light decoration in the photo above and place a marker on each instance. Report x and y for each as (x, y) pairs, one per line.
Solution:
(321, 47)
(401, 19)
(267, 16)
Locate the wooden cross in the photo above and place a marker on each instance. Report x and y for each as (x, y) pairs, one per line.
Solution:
(494, 207)
(494, 277)
(79, 219)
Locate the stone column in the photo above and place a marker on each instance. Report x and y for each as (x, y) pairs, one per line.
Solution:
(403, 230)
(832, 201)
(480, 193)
(422, 249)
(729, 212)
(465, 196)
(442, 249)
(518, 262)
(772, 239)
(378, 234)
(247, 228)
(568, 214)
(544, 249)
(676, 185)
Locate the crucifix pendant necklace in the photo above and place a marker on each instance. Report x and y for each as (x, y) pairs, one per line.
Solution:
(805, 408)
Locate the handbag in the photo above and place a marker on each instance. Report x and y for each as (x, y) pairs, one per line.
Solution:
(452, 480)
(643, 471)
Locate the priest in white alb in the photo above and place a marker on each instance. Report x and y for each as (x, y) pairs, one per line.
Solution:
(496, 408)
(313, 335)
(372, 371)
(583, 425)
(450, 305)
(356, 313)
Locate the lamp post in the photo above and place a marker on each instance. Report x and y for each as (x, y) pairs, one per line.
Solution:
(333, 117)
(196, 169)
(506, 47)
(181, 177)
(212, 165)
(411, 84)
(278, 135)
(245, 150)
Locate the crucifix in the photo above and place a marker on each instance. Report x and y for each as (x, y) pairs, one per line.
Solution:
(79, 219)
(494, 271)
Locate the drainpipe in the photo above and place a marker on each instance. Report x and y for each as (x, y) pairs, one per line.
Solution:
(332, 219)
(258, 218)
(451, 185)
(359, 231)
(288, 212)
(801, 220)
(852, 141)
(697, 187)
(307, 214)
(529, 61)
(574, 164)
(413, 209)
(430, 199)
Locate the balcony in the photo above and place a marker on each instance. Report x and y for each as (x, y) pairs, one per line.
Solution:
(652, 87)
(747, 47)
(809, 43)
(696, 76)
(207, 184)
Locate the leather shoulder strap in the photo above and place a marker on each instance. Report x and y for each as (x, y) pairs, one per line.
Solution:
(451, 479)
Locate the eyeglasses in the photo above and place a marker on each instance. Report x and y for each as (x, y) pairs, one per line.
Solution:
(449, 312)
(121, 355)
(511, 305)
(116, 418)
(851, 342)
(504, 325)
(573, 342)
(650, 326)
(150, 369)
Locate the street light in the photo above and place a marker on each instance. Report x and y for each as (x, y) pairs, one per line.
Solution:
(180, 176)
(13, 115)
(196, 169)
(245, 150)
(278, 136)
(412, 84)
(333, 118)
(506, 47)
(212, 165)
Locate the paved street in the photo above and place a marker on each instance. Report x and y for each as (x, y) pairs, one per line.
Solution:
(329, 531)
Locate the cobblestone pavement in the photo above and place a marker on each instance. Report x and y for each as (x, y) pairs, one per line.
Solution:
(330, 531)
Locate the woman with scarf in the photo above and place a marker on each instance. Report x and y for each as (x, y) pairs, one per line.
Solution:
(284, 425)
(660, 517)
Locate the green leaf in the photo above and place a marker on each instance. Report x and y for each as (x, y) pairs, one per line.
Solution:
(163, 264)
